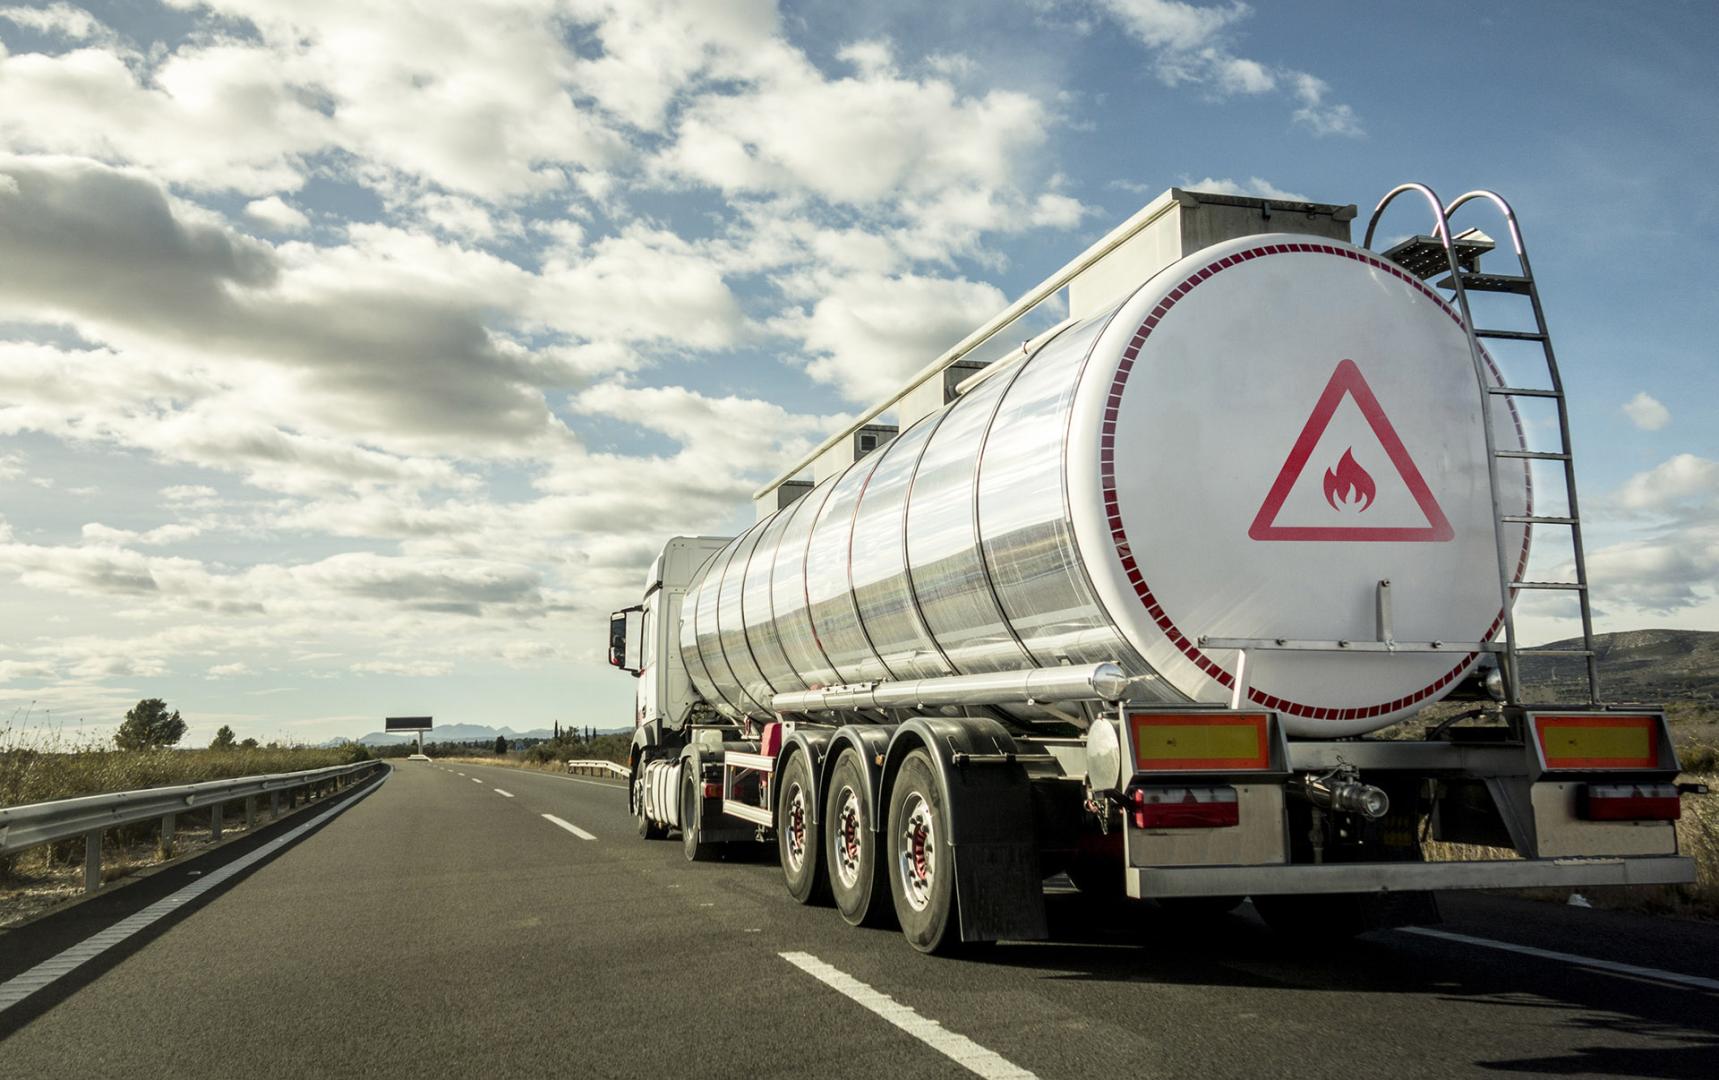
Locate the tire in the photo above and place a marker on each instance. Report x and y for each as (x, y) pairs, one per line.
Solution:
(797, 835)
(648, 829)
(857, 883)
(921, 868)
(695, 849)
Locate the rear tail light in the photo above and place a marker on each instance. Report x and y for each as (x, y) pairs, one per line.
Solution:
(712, 789)
(1185, 807)
(1631, 802)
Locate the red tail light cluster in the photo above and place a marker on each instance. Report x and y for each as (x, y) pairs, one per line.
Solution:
(1631, 802)
(1185, 807)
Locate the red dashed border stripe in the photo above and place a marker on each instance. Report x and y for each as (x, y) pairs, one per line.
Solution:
(1113, 513)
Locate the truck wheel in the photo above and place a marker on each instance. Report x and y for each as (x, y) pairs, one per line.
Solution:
(648, 829)
(860, 889)
(696, 850)
(921, 868)
(797, 835)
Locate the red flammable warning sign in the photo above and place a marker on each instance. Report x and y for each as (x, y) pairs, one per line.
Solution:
(1349, 479)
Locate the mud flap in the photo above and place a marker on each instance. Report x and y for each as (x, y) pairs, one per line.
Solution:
(987, 799)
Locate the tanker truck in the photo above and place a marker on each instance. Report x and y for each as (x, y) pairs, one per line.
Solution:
(1136, 600)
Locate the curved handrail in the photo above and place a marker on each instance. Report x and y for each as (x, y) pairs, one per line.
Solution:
(1503, 208)
(1440, 227)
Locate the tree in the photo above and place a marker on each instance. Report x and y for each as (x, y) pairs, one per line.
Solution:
(558, 731)
(224, 739)
(248, 744)
(500, 744)
(148, 725)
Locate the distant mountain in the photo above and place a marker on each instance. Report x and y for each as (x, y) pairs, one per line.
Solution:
(453, 733)
(1635, 666)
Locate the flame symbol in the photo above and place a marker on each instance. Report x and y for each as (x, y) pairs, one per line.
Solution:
(1348, 481)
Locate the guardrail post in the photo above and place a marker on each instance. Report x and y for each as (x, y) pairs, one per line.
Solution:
(92, 860)
(250, 813)
(274, 805)
(166, 845)
(215, 822)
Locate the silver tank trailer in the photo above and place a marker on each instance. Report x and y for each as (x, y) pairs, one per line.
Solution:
(1244, 447)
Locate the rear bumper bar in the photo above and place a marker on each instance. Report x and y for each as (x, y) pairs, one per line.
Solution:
(1406, 876)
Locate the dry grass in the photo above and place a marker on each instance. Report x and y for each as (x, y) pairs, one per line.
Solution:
(30, 775)
(35, 880)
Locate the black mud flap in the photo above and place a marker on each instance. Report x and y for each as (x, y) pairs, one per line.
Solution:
(999, 893)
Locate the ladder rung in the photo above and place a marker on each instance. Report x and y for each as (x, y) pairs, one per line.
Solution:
(1501, 283)
(1535, 519)
(1532, 455)
(1557, 652)
(1572, 586)
(1512, 335)
(1521, 391)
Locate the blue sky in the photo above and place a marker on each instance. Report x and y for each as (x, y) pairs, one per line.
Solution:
(353, 360)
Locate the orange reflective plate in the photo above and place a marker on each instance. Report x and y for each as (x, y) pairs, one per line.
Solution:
(1599, 742)
(1169, 742)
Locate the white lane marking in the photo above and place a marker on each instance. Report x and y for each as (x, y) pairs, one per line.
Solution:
(19, 987)
(475, 780)
(1609, 966)
(504, 794)
(569, 826)
(612, 785)
(958, 1048)
(462, 774)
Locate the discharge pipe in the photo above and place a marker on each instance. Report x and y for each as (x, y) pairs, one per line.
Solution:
(1341, 790)
(1035, 686)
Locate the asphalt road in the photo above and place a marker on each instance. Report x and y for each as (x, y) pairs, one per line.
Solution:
(437, 927)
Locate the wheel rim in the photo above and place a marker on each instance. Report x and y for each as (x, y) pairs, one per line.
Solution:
(917, 857)
(794, 827)
(849, 838)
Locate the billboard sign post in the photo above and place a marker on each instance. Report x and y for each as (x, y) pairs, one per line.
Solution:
(417, 724)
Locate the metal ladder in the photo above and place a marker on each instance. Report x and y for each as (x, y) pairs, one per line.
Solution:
(1459, 257)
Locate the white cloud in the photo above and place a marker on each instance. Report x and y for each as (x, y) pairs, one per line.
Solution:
(97, 533)
(277, 214)
(1646, 412)
(1676, 482)
(1190, 45)
(228, 671)
(868, 332)
(1319, 116)
(1254, 186)
(413, 668)
(59, 19)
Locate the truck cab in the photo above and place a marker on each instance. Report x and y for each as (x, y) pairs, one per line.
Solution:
(644, 639)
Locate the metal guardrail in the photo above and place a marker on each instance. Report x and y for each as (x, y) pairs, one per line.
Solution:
(600, 768)
(89, 816)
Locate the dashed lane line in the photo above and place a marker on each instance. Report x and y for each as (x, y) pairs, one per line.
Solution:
(569, 826)
(958, 1048)
(504, 794)
(475, 780)
(1610, 967)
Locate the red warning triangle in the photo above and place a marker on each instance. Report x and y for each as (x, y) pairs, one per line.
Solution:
(1347, 380)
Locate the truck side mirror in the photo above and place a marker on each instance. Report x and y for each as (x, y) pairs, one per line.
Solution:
(624, 643)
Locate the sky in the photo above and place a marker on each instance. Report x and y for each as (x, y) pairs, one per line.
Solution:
(357, 356)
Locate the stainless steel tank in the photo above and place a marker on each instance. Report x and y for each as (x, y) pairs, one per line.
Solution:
(1242, 448)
